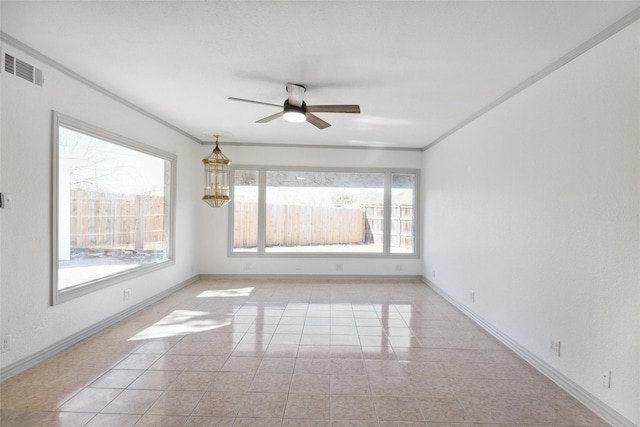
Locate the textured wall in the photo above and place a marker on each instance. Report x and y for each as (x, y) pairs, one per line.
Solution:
(25, 171)
(535, 207)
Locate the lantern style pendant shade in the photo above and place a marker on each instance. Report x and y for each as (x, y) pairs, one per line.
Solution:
(216, 178)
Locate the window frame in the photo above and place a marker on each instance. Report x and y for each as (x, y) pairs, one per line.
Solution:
(262, 189)
(60, 120)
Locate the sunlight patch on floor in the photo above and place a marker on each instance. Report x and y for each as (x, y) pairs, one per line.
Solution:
(181, 322)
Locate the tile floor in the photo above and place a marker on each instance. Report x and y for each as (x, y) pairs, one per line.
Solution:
(290, 353)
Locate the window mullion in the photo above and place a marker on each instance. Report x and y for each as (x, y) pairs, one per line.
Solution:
(387, 214)
(262, 210)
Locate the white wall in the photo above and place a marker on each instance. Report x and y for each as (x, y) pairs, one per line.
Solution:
(213, 224)
(535, 207)
(25, 172)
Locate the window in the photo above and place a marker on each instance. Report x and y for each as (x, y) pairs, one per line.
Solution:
(112, 208)
(323, 212)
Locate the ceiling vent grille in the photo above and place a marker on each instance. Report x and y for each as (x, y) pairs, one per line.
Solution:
(22, 69)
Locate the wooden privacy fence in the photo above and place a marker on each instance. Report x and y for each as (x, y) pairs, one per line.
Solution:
(296, 225)
(401, 225)
(116, 221)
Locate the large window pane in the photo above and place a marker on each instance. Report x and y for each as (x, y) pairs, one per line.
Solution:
(402, 213)
(311, 211)
(245, 210)
(113, 207)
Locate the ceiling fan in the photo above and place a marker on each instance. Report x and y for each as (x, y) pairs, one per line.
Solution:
(296, 110)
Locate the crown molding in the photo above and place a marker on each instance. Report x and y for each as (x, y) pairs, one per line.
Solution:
(6, 38)
(321, 146)
(603, 35)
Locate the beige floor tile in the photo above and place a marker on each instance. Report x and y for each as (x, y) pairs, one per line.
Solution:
(430, 387)
(397, 408)
(209, 422)
(314, 352)
(193, 381)
(350, 407)
(350, 384)
(206, 363)
(173, 362)
(35, 397)
(489, 409)
(279, 365)
(242, 364)
(313, 366)
(442, 409)
(305, 423)
(176, 403)
(90, 400)
(258, 422)
(390, 386)
(355, 423)
(138, 361)
(281, 350)
(21, 418)
(270, 382)
(310, 383)
(218, 404)
(262, 405)
(117, 378)
(249, 350)
(154, 380)
(308, 406)
(348, 367)
(132, 402)
(232, 381)
(150, 420)
(382, 367)
(113, 420)
(155, 347)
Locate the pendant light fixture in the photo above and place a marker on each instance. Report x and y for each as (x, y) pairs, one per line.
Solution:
(216, 178)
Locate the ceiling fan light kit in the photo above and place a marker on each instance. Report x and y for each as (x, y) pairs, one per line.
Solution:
(295, 110)
(294, 114)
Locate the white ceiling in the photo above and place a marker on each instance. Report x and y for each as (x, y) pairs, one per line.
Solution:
(417, 69)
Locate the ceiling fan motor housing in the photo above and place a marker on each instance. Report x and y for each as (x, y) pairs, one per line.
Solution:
(295, 114)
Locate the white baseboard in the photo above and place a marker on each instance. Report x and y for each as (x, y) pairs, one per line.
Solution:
(583, 396)
(23, 364)
(312, 276)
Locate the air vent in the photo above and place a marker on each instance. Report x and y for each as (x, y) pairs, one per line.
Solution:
(23, 69)
(9, 63)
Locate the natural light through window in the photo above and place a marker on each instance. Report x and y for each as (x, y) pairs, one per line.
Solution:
(113, 207)
(300, 211)
(182, 322)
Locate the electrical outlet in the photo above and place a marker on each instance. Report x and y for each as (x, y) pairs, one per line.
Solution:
(5, 200)
(433, 274)
(5, 343)
(398, 267)
(606, 378)
(247, 267)
(339, 267)
(554, 347)
(127, 294)
(472, 296)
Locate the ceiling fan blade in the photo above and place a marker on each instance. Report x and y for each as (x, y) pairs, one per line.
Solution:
(333, 108)
(254, 102)
(296, 94)
(317, 121)
(271, 117)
